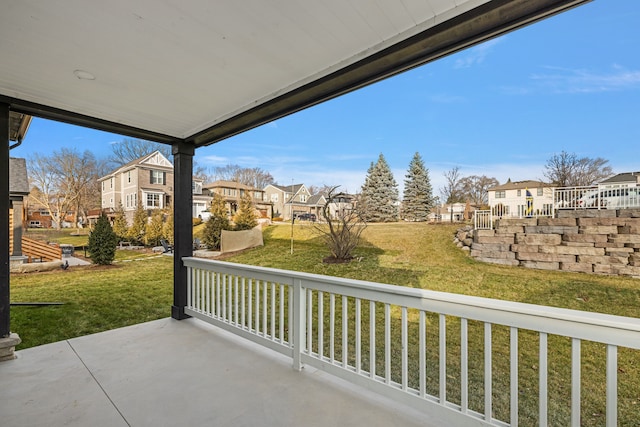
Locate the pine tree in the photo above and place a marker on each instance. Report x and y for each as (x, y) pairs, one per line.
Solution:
(379, 196)
(418, 193)
(120, 226)
(216, 223)
(102, 242)
(245, 218)
(139, 226)
(153, 232)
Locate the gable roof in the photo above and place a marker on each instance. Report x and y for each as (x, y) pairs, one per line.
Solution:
(229, 184)
(623, 177)
(150, 69)
(520, 185)
(155, 159)
(18, 179)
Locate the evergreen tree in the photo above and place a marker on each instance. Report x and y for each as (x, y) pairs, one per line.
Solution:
(379, 196)
(245, 218)
(167, 229)
(139, 226)
(120, 226)
(217, 222)
(153, 232)
(418, 193)
(102, 242)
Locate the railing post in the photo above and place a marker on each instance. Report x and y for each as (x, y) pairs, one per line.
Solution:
(299, 326)
(4, 222)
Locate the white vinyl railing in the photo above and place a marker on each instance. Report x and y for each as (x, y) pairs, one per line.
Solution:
(482, 220)
(597, 197)
(465, 359)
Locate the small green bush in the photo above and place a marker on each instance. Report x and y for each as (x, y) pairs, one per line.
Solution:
(102, 242)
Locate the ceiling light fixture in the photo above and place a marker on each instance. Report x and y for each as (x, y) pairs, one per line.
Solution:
(84, 75)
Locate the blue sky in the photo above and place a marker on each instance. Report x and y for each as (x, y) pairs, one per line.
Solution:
(501, 109)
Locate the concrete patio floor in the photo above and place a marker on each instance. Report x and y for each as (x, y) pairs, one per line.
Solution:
(168, 373)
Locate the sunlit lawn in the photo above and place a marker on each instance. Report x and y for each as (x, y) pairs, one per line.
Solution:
(138, 288)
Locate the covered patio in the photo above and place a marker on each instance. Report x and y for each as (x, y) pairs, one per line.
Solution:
(168, 372)
(190, 74)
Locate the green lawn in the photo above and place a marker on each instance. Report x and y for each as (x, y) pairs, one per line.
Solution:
(138, 288)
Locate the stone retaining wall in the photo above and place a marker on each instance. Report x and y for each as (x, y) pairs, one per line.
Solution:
(589, 241)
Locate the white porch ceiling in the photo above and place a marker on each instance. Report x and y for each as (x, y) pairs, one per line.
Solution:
(180, 69)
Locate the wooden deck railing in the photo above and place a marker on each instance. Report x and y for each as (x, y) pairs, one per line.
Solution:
(36, 249)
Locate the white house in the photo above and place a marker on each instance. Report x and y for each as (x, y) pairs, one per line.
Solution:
(521, 199)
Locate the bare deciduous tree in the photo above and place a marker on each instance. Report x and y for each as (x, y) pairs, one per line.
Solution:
(475, 188)
(253, 177)
(569, 170)
(451, 191)
(64, 182)
(342, 230)
(130, 149)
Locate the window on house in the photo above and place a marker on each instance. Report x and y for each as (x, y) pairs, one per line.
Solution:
(111, 183)
(274, 198)
(157, 177)
(102, 185)
(153, 200)
(519, 193)
(501, 194)
(129, 176)
(303, 198)
(540, 191)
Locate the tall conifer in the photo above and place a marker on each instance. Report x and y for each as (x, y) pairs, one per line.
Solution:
(418, 193)
(379, 196)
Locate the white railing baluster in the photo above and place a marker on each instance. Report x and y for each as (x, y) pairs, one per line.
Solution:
(488, 377)
(576, 363)
(265, 299)
(281, 312)
(513, 369)
(236, 284)
(320, 325)
(345, 332)
(387, 343)
(273, 311)
(332, 327)
(218, 311)
(442, 332)
(258, 308)
(299, 321)
(310, 321)
(250, 308)
(464, 365)
(372, 339)
(223, 291)
(190, 281)
(405, 349)
(422, 327)
(612, 385)
(543, 381)
(358, 337)
(243, 302)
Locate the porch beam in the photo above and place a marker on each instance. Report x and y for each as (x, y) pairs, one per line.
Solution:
(4, 222)
(182, 223)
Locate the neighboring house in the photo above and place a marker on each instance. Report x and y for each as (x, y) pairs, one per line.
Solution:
(291, 200)
(18, 190)
(450, 212)
(510, 199)
(147, 181)
(621, 180)
(201, 199)
(233, 191)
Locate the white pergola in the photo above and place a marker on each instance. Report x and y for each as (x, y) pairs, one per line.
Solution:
(190, 73)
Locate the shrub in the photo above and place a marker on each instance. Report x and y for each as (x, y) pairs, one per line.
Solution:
(197, 221)
(245, 219)
(102, 242)
(139, 226)
(153, 232)
(167, 229)
(120, 226)
(218, 221)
